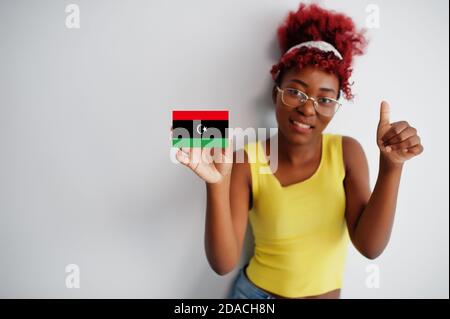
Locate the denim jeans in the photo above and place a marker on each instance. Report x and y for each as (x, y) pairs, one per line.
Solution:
(243, 288)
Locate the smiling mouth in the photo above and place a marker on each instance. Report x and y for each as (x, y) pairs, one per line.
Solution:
(301, 125)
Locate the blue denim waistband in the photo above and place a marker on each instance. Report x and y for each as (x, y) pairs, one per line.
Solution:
(243, 288)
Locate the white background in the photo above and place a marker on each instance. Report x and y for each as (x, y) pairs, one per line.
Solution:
(85, 175)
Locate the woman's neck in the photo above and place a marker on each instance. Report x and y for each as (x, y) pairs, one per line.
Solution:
(296, 154)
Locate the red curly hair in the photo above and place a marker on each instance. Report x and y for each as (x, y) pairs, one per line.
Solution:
(313, 23)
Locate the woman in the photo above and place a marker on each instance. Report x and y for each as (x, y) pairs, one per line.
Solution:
(304, 214)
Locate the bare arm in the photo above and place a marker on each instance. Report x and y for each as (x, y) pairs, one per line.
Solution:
(226, 219)
(228, 192)
(370, 216)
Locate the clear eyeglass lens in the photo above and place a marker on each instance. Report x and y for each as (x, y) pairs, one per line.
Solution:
(295, 98)
(327, 106)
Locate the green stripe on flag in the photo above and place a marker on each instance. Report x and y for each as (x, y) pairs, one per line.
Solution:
(200, 142)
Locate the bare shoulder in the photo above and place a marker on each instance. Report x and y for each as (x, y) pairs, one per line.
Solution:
(353, 152)
(241, 166)
(350, 143)
(241, 178)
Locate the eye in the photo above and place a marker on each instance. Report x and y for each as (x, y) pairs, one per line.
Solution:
(297, 94)
(293, 92)
(326, 101)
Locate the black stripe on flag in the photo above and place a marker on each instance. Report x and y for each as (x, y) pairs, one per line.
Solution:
(200, 128)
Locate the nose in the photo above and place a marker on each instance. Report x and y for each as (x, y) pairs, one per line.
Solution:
(307, 108)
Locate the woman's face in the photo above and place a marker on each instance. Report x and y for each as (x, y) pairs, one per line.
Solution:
(315, 83)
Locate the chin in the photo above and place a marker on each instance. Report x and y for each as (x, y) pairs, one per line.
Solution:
(296, 138)
(299, 138)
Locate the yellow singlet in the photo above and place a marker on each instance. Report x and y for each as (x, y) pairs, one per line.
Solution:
(300, 233)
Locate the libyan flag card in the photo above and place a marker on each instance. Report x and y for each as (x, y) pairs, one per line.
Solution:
(200, 128)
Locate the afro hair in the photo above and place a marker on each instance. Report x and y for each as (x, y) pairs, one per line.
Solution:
(313, 23)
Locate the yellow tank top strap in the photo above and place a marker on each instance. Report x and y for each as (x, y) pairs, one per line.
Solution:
(335, 156)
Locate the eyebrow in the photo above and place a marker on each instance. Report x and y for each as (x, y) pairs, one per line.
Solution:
(306, 85)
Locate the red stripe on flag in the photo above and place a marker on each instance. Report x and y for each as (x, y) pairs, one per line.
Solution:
(200, 115)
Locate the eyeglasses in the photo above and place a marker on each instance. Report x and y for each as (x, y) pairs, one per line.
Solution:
(325, 106)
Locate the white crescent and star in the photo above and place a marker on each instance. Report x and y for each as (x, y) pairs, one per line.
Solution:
(201, 130)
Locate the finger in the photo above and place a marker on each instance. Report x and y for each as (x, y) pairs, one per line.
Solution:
(196, 155)
(221, 154)
(182, 157)
(217, 154)
(210, 154)
(229, 149)
(193, 153)
(206, 156)
(403, 135)
(396, 129)
(416, 149)
(409, 142)
(186, 150)
(385, 112)
(215, 151)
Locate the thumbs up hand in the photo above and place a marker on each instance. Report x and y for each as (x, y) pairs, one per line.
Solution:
(398, 141)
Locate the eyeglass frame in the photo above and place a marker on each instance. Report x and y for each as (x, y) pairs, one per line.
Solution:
(315, 103)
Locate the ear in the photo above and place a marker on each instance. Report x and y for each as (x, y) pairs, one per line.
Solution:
(274, 94)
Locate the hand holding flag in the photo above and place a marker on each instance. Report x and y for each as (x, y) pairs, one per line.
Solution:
(210, 164)
(204, 146)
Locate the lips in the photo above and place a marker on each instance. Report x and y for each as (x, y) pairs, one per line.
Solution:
(301, 123)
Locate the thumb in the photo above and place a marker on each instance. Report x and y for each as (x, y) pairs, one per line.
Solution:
(385, 111)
